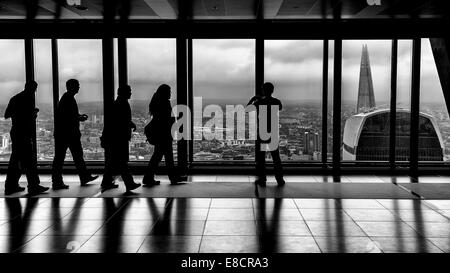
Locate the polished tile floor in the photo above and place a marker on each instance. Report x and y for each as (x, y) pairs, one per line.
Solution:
(149, 225)
(227, 225)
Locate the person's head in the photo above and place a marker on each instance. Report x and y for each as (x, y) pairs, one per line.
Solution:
(31, 86)
(124, 91)
(267, 89)
(72, 86)
(163, 92)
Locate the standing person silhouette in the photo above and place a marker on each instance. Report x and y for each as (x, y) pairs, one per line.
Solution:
(267, 100)
(161, 136)
(67, 136)
(115, 140)
(21, 109)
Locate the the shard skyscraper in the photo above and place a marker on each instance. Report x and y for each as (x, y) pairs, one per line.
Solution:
(366, 98)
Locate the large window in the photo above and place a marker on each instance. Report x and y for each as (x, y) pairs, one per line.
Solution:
(295, 68)
(434, 124)
(44, 99)
(82, 60)
(151, 62)
(223, 77)
(366, 70)
(12, 81)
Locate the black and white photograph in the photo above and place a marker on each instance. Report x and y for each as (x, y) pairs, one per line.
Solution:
(224, 135)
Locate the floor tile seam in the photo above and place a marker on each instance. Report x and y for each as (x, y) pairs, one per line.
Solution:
(426, 239)
(204, 226)
(22, 246)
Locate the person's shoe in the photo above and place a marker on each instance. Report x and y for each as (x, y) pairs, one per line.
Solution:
(13, 190)
(177, 179)
(37, 189)
(149, 181)
(261, 181)
(88, 179)
(59, 186)
(183, 177)
(132, 186)
(108, 186)
(280, 182)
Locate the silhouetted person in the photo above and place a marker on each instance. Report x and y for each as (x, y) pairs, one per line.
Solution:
(161, 136)
(267, 100)
(115, 140)
(67, 136)
(21, 109)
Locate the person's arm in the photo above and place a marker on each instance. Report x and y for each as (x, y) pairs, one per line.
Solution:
(253, 100)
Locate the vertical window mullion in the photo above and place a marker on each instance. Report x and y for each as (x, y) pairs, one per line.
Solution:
(393, 104)
(29, 75)
(122, 61)
(415, 105)
(325, 102)
(337, 104)
(181, 56)
(190, 90)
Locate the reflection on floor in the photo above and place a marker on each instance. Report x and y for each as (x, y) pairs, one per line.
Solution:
(415, 223)
(208, 225)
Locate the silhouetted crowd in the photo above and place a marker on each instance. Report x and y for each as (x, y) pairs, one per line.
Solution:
(114, 139)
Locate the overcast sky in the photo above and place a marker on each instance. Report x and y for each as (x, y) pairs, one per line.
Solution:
(223, 69)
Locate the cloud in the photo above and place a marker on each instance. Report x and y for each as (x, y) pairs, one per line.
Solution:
(222, 68)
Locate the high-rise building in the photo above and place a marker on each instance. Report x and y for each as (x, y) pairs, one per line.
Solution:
(366, 134)
(366, 137)
(311, 142)
(366, 98)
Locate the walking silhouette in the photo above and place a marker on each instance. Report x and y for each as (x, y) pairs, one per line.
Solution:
(21, 109)
(159, 134)
(267, 100)
(67, 136)
(115, 140)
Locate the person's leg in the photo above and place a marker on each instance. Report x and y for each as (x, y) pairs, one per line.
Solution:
(58, 161)
(77, 154)
(124, 156)
(29, 163)
(277, 166)
(108, 178)
(149, 177)
(260, 163)
(14, 172)
(168, 157)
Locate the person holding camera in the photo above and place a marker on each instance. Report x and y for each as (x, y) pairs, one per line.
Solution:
(67, 135)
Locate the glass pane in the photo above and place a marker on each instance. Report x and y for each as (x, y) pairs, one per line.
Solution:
(82, 60)
(403, 108)
(366, 73)
(151, 62)
(12, 81)
(295, 69)
(44, 99)
(434, 124)
(223, 75)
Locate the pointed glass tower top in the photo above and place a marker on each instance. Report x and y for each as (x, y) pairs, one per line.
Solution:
(366, 98)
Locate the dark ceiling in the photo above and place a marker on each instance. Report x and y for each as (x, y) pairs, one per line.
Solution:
(223, 9)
